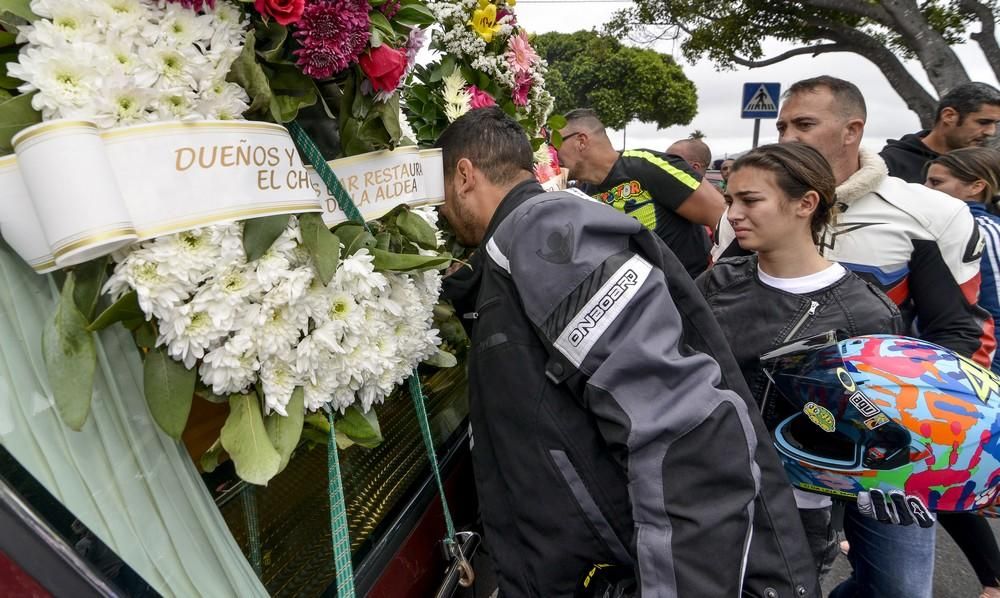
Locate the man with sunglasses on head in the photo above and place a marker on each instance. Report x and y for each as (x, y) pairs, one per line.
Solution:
(659, 190)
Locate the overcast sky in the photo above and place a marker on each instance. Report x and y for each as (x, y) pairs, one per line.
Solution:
(719, 93)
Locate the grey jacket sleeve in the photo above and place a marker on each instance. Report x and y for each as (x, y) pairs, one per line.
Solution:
(686, 445)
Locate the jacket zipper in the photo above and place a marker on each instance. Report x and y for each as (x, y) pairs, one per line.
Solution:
(813, 305)
(766, 399)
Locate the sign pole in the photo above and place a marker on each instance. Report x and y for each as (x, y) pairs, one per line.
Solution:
(756, 132)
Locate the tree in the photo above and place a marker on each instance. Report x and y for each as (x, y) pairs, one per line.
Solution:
(621, 83)
(731, 32)
(697, 134)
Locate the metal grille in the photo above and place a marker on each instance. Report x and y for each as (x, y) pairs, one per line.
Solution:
(293, 510)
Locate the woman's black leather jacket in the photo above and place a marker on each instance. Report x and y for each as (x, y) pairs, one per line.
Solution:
(757, 318)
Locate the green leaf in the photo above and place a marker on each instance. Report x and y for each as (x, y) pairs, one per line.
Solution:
(21, 8)
(146, 335)
(414, 15)
(416, 229)
(271, 38)
(319, 421)
(323, 246)
(6, 81)
(360, 428)
(442, 359)
(126, 308)
(210, 458)
(169, 388)
(291, 90)
(7, 39)
(285, 108)
(260, 233)
(408, 262)
(381, 24)
(245, 439)
(315, 437)
(70, 358)
(557, 121)
(89, 280)
(354, 237)
(375, 40)
(382, 240)
(247, 72)
(16, 114)
(285, 431)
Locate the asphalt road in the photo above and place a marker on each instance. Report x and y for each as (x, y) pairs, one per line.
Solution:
(953, 576)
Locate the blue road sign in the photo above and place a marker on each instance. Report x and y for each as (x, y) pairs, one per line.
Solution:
(760, 100)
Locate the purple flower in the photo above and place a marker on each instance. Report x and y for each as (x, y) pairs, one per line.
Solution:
(333, 33)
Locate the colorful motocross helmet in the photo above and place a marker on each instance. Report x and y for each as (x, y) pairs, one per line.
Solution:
(888, 412)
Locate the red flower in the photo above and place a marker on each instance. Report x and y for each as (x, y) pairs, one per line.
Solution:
(384, 67)
(282, 11)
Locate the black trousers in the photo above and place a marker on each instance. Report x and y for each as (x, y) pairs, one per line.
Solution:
(974, 536)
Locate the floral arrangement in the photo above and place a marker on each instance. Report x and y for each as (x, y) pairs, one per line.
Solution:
(487, 60)
(278, 315)
(126, 62)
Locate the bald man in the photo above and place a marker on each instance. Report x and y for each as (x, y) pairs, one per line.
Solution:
(659, 190)
(694, 151)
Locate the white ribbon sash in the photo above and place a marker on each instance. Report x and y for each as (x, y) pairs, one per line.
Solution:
(72, 193)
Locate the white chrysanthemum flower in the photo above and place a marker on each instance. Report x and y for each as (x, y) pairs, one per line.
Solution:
(176, 66)
(190, 255)
(122, 106)
(290, 288)
(232, 367)
(277, 329)
(158, 292)
(224, 101)
(125, 16)
(176, 104)
(64, 78)
(457, 99)
(184, 27)
(357, 276)
(279, 380)
(188, 334)
(70, 21)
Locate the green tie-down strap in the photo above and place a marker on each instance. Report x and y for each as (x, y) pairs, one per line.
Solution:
(417, 393)
(308, 148)
(338, 521)
(338, 511)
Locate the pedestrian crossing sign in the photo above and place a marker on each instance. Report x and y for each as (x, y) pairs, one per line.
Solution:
(760, 100)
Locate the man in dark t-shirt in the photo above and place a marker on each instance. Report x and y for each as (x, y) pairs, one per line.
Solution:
(659, 190)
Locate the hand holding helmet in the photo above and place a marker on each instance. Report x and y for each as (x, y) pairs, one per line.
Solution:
(894, 507)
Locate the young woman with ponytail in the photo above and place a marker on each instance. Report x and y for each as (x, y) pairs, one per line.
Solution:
(781, 203)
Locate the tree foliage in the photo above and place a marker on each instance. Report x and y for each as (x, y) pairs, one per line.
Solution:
(733, 32)
(621, 83)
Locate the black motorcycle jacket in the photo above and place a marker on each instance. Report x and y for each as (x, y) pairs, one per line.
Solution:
(759, 318)
(610, 422)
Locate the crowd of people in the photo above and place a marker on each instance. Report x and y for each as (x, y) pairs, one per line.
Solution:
(620, 413)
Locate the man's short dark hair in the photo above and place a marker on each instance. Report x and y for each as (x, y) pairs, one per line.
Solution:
(968, 98)
(494, 142)
(586, 118)
(848, 96)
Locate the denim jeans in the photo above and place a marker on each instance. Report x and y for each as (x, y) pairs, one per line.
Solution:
(889, 561)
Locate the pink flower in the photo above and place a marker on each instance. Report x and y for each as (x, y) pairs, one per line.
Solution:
(480, 99)
(195, 5)
(522, 86)
(522, 56)
(333, 34)
(284, 12)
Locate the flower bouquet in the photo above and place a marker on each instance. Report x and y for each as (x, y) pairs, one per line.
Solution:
(487, 60)
(276, 316)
